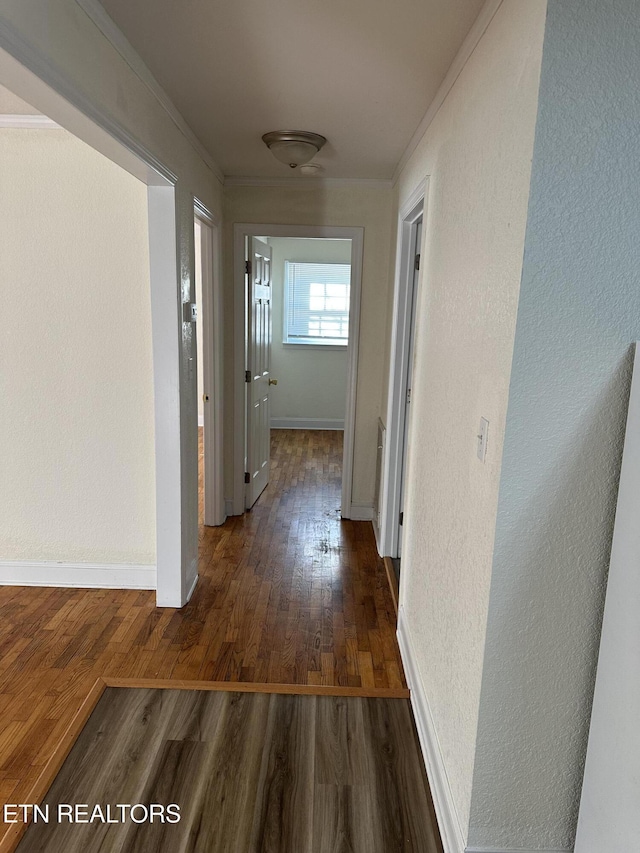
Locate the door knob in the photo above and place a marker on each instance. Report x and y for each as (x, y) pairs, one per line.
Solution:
(273, 382)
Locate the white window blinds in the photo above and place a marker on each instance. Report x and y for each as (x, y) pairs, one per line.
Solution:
(316, 303)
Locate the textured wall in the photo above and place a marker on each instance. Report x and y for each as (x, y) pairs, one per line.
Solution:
(11, 104)
(364, 206)
(77, 471)
(64, 36)
(579, 313)
(312, 381)
(477, 153)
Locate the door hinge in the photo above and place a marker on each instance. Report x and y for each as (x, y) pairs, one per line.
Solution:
(247, 477)
(417, 262)
(247, 267)
(401, 519)
(247, 376)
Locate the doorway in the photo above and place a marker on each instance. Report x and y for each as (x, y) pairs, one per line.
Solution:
(298, 334)
(208, 357)
(416, 239)
(410, 230)
(174, 574)
(315, 333)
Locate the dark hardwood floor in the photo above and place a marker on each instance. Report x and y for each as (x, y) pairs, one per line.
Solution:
(288, 593)
(250, 772)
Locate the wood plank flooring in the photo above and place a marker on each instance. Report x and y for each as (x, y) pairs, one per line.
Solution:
(250, 772)
(287, 593)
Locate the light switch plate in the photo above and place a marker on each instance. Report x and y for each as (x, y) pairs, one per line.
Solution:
(483, 435)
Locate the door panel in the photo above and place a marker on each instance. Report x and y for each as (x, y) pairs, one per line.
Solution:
(258, 368)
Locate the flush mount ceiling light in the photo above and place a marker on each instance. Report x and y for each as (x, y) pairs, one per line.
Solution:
(293, 147)
(311, 170)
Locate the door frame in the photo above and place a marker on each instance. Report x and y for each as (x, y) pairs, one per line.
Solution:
(38, 83)
(241, 231)
(211, 329)
(411, 211)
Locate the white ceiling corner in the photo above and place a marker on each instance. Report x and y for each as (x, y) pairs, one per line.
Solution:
(96, 11)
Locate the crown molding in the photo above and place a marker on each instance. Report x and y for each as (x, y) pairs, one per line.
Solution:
(36, 122)
(478, 29)
(123, 46)
(304, 183)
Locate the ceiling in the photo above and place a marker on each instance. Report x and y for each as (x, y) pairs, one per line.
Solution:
(360, 72)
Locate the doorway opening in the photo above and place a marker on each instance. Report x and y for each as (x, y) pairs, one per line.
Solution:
(208, 358)
(392, 518)
(299, 288)
(169, 573)
(416, 239)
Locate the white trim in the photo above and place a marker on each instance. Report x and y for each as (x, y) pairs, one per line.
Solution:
(28, 122)
(203, 212)
(77, 575)
(448, 820)
(412, 210)
(518, 850)
(242, 230)
(165, 331)
(211, 329)
(325, 347)
(470, 43)
(200, 420)
(361, 512)
(35, 79)
(304, 183)
(307, 423)
(119, 42)
(228, 508)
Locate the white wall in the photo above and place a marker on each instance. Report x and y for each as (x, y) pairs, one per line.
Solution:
(312, 381)
(57, 39)
(365, 205)
(11, 104)
(77, 469)
(477, 154)
(578, 317)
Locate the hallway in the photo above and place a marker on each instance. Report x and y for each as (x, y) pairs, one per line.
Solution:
(303, 594)
(288, 593)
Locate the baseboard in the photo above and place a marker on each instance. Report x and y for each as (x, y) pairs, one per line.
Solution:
(306, 423)
(361, 512)
(192, 587)
(200, 420)
(448, 821)
(228, 508)
(518, 850)
(77, 575)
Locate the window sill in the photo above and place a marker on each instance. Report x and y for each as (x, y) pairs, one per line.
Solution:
(330, 347)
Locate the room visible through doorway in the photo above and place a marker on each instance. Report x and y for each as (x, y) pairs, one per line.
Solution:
(297, 339)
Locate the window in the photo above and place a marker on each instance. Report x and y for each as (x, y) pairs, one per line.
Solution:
(316, 304)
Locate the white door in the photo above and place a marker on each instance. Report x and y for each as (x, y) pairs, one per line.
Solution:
(407, 400)
(258, 369)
